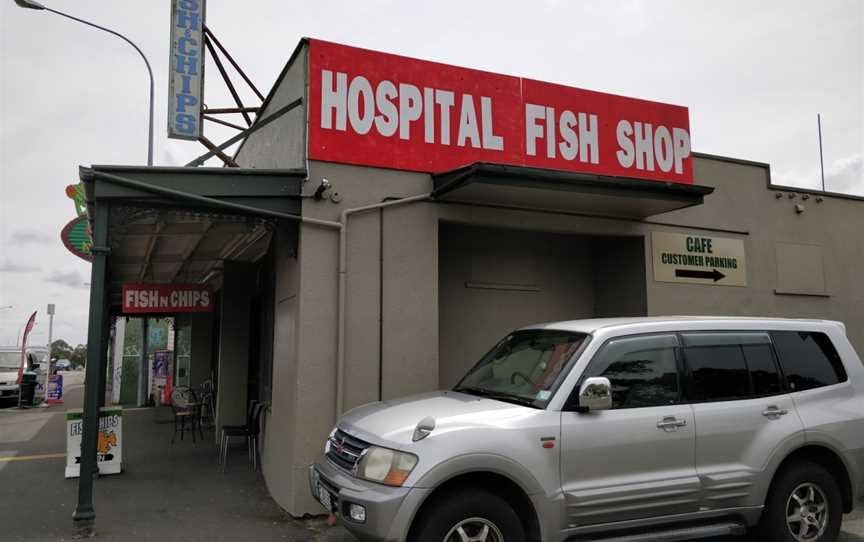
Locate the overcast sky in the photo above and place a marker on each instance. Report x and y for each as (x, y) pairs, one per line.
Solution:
(754, 75)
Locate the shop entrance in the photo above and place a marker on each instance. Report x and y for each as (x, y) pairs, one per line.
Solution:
(494, 280)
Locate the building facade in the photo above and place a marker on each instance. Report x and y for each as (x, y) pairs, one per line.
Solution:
(375, 278)
(432, 285)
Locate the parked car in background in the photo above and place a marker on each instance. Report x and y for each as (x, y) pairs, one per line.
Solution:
(63, 365)
(37, 362)
(10, 361)
(673, 428)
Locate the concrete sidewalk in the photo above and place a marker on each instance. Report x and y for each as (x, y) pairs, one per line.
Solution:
(166, 492)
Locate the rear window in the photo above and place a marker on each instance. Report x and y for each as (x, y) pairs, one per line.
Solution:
(808, 359)
(725, 365)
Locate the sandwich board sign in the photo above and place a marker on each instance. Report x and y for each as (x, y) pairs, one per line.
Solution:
(698, 259)
(54, 395)
(109, 451)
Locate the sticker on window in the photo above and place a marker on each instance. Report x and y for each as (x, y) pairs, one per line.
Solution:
(542, 395)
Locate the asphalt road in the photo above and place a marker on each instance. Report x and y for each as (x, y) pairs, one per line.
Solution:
(165, 489)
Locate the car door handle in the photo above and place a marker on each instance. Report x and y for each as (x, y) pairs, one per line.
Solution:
(671, 423)
(774, 412)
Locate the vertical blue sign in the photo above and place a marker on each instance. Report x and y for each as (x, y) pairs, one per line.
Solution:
(186, 77)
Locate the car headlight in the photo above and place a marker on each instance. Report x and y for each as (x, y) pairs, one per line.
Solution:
(386, 466)
(329, 439)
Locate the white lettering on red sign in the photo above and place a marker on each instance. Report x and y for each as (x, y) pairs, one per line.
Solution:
(405, 109)
(389, 111)
(165, 298)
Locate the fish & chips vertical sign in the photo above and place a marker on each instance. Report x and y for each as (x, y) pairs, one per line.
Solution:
(389, 111)
(186, 77)
(166, 298)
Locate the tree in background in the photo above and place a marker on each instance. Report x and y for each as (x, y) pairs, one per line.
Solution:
(60, 349)
(79, 356)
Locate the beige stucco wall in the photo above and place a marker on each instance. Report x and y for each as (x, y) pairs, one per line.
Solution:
(742, 201)
(280, 424)
(303, 409)
(742, 207)
(282, 143)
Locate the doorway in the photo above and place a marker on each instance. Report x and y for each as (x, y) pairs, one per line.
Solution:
(495, 280)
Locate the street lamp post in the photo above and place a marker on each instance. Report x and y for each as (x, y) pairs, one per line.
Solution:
(31, 4)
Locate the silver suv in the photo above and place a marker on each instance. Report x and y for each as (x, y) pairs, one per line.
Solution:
(617, 429)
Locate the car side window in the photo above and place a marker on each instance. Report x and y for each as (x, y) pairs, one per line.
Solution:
(764, 372)
(643, 370)
(808, 359)
(724, 366)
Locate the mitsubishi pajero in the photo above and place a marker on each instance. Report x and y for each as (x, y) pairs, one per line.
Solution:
(617, 429)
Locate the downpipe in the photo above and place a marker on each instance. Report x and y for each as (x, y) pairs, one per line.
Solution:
(343, 284)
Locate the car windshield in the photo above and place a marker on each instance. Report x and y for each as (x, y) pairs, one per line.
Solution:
(523, 367)
(10, 360)
(40, 357)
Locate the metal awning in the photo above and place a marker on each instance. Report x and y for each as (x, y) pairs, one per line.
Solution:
(181, 224)
(534, 188)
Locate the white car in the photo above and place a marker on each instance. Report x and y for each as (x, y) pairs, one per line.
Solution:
(10, 361)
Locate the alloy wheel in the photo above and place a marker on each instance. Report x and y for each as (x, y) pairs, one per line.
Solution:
(474, 530)
(807, 513)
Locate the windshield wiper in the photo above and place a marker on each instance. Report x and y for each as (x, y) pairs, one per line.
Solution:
(500, 396)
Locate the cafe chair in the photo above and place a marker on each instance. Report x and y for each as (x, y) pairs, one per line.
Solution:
(249, 431)
(184, 406)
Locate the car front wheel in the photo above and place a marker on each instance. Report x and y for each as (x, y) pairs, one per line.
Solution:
(468, 516)
(804, 505)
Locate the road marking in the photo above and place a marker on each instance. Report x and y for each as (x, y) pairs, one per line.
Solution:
(31, 457)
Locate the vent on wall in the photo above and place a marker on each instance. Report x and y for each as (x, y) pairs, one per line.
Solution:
(501, 286)
(800, 270)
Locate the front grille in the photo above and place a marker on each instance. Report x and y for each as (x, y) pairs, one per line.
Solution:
(345, 450)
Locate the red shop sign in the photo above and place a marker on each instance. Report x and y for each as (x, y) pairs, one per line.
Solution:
(166, 298)
(389, 111)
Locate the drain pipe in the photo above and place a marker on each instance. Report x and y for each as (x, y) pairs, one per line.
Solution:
(343, 280)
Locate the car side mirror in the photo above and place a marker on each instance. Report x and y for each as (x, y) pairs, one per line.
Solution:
(595, 394)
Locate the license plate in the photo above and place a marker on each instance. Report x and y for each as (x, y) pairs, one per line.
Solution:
(325, 498)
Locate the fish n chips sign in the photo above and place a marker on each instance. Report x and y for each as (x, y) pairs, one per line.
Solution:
(389, 111)
(166, 298)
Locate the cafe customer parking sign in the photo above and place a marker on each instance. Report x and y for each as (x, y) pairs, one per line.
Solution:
(698, 259)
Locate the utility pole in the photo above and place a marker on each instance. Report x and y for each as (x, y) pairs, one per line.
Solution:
(50, 341)
(821, 161)
(32, 4)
